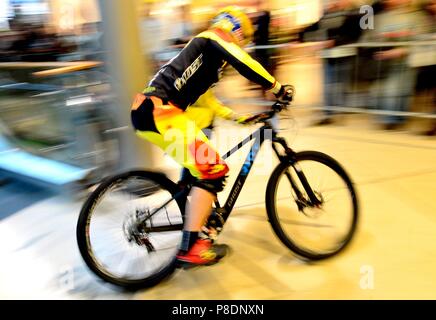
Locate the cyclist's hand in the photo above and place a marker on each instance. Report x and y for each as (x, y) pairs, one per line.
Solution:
(286, 93)
(243, 119)
(251, 118)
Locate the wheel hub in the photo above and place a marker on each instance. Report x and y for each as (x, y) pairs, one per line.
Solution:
(305, 203)
(134, 229)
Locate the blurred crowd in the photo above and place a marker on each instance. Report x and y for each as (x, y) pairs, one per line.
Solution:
(379, 55)
(33, 39)
(383, 53)
(386, 52)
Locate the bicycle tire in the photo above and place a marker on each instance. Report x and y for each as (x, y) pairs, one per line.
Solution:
(82, 230)
(270, 201)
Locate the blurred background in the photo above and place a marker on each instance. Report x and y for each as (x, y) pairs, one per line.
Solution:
(364, 73)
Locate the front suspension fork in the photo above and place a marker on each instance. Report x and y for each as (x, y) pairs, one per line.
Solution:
(290, 157)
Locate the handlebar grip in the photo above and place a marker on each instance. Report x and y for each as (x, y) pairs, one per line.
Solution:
(280, 105)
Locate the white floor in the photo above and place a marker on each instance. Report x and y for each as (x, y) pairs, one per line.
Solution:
(391, 257)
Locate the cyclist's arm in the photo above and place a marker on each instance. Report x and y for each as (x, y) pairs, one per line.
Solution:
(209, 100)
(242, 61)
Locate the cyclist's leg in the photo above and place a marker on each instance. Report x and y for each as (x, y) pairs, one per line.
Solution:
(178, 136)
(203, 118)
(190, 147)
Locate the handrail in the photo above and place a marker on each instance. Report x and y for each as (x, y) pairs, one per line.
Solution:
(351, 45)
(57, 68)
(84, 65)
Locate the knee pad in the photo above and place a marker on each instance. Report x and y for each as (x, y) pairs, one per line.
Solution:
(142, 117)
(214, 186)
(186, 177)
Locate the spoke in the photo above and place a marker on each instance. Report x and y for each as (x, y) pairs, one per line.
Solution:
(139, 261)
(108, 241)
(122, 262)
(316, 230)
(108, 225)
(166, 243)
(110, 217)
(101, 247)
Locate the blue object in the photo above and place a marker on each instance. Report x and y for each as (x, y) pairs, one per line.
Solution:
(22, 163)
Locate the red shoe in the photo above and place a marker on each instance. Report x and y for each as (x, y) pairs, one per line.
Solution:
(202, 253)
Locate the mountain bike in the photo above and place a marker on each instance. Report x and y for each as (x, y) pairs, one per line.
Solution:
(131, 225)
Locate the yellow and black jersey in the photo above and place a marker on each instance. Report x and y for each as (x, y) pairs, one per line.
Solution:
(200, 64)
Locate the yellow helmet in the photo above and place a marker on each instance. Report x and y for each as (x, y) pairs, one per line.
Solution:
(233, 19)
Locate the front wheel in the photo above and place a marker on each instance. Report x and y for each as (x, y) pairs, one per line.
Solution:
(317, 230)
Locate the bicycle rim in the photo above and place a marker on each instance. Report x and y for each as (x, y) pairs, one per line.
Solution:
(315, 232)
(118, 246)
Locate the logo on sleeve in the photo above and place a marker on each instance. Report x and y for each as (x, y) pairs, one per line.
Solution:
(188, 73)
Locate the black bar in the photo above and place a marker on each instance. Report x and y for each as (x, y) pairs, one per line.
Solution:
(218, 309)
(243, 173)
(164, 228)
(243, 142)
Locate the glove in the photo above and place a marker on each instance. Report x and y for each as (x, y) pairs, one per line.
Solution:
(240, 118)
(243, 119)
(251, 118)
(286, 93)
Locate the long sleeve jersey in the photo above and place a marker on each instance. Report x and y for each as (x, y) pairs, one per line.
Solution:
(200, 65)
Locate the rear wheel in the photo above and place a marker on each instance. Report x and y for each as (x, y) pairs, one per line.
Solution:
(313, 231)
(130, 227)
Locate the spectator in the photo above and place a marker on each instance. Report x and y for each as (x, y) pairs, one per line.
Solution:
(152, 32)
(89, 42)
(261, 21)
(182, 28)
(397, 21)
(425, 58)
(338, 26)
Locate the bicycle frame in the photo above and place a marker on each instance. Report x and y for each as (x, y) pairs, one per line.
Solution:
(259, 136)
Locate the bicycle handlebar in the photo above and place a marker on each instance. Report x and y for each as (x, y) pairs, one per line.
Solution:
(277, 107)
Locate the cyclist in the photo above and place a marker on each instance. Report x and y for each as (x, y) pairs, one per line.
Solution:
(158, 115)
(203, 112)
